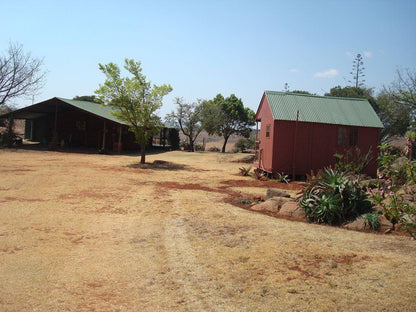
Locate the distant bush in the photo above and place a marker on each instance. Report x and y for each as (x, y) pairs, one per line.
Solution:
(214, 149)
(243, 144)
(199, 147)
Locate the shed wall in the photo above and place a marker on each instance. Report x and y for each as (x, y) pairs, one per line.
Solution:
(265, 151)
(316, 145)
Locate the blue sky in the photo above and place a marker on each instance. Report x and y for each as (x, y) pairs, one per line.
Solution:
(203, 48)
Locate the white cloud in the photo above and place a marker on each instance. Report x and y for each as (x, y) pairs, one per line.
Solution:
(348, 53)
(293, 70)
(368, 53)
(329, 73)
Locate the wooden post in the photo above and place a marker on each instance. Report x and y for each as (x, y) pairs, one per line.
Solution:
(294, 147)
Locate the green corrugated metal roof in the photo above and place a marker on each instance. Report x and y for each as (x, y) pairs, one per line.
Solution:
(322, 109)
(94, 108)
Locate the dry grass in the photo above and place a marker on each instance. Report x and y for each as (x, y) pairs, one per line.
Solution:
(99, 233)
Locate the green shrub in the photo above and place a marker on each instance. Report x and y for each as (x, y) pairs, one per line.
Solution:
(281, 177)
(333, 197)
(243, 144)
(372, 220)
(353, 160)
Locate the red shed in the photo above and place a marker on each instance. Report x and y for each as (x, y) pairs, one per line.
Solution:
(299, 133)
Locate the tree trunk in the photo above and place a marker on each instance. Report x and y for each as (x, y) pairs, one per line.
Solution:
(143, 150)
(225, 143)
(191, 145)
(142, 154)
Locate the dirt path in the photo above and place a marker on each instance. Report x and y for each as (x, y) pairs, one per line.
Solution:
(82, 232)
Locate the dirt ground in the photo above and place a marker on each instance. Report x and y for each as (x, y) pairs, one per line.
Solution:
(87, 232)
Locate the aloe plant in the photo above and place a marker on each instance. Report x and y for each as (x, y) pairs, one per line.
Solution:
(333, 197)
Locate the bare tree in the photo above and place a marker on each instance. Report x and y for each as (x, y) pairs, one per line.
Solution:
(20, 74)
(403, 90)
(188, 117)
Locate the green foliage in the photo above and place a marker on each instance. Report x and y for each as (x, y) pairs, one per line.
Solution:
(259, 174)
(188, 118)
(333, 197)
(351, 92)
(396, 117)
(372, 220)
(354, 92)
(88, 98)
(246, 143)
(281, 177)
(398, 104)
(214, 149)
(227, 116)
(133, 99)
(353, 160)
(396, 191)
(302, 92)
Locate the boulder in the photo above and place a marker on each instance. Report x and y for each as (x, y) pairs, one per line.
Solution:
(299, 214)
(268, 205)
(273, 204)
(281, 201)
(357, 225)
(276, 193)
(385, 225)
(288, 209)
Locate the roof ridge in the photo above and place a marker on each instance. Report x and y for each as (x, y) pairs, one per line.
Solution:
(315, 96)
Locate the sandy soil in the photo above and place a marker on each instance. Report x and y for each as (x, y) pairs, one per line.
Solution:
(86, 232)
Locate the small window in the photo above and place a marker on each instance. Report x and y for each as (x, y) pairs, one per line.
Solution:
(353, 137)
(342, 136)
(268, 131)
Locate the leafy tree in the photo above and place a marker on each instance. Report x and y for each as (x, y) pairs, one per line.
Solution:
(302, 92)
(358, 72)
(20, 74)
(133, 99)
(227, 116)
(354, 92)
(351, 92)
(396, 117)
(188, 118)
(87, 98)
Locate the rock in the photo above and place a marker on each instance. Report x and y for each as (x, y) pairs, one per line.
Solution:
(268, 205)
(281, 200)
(385, 225)
(288, 209)
(358, 224)
(276, 193)
(272, 205)
(299, 214)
